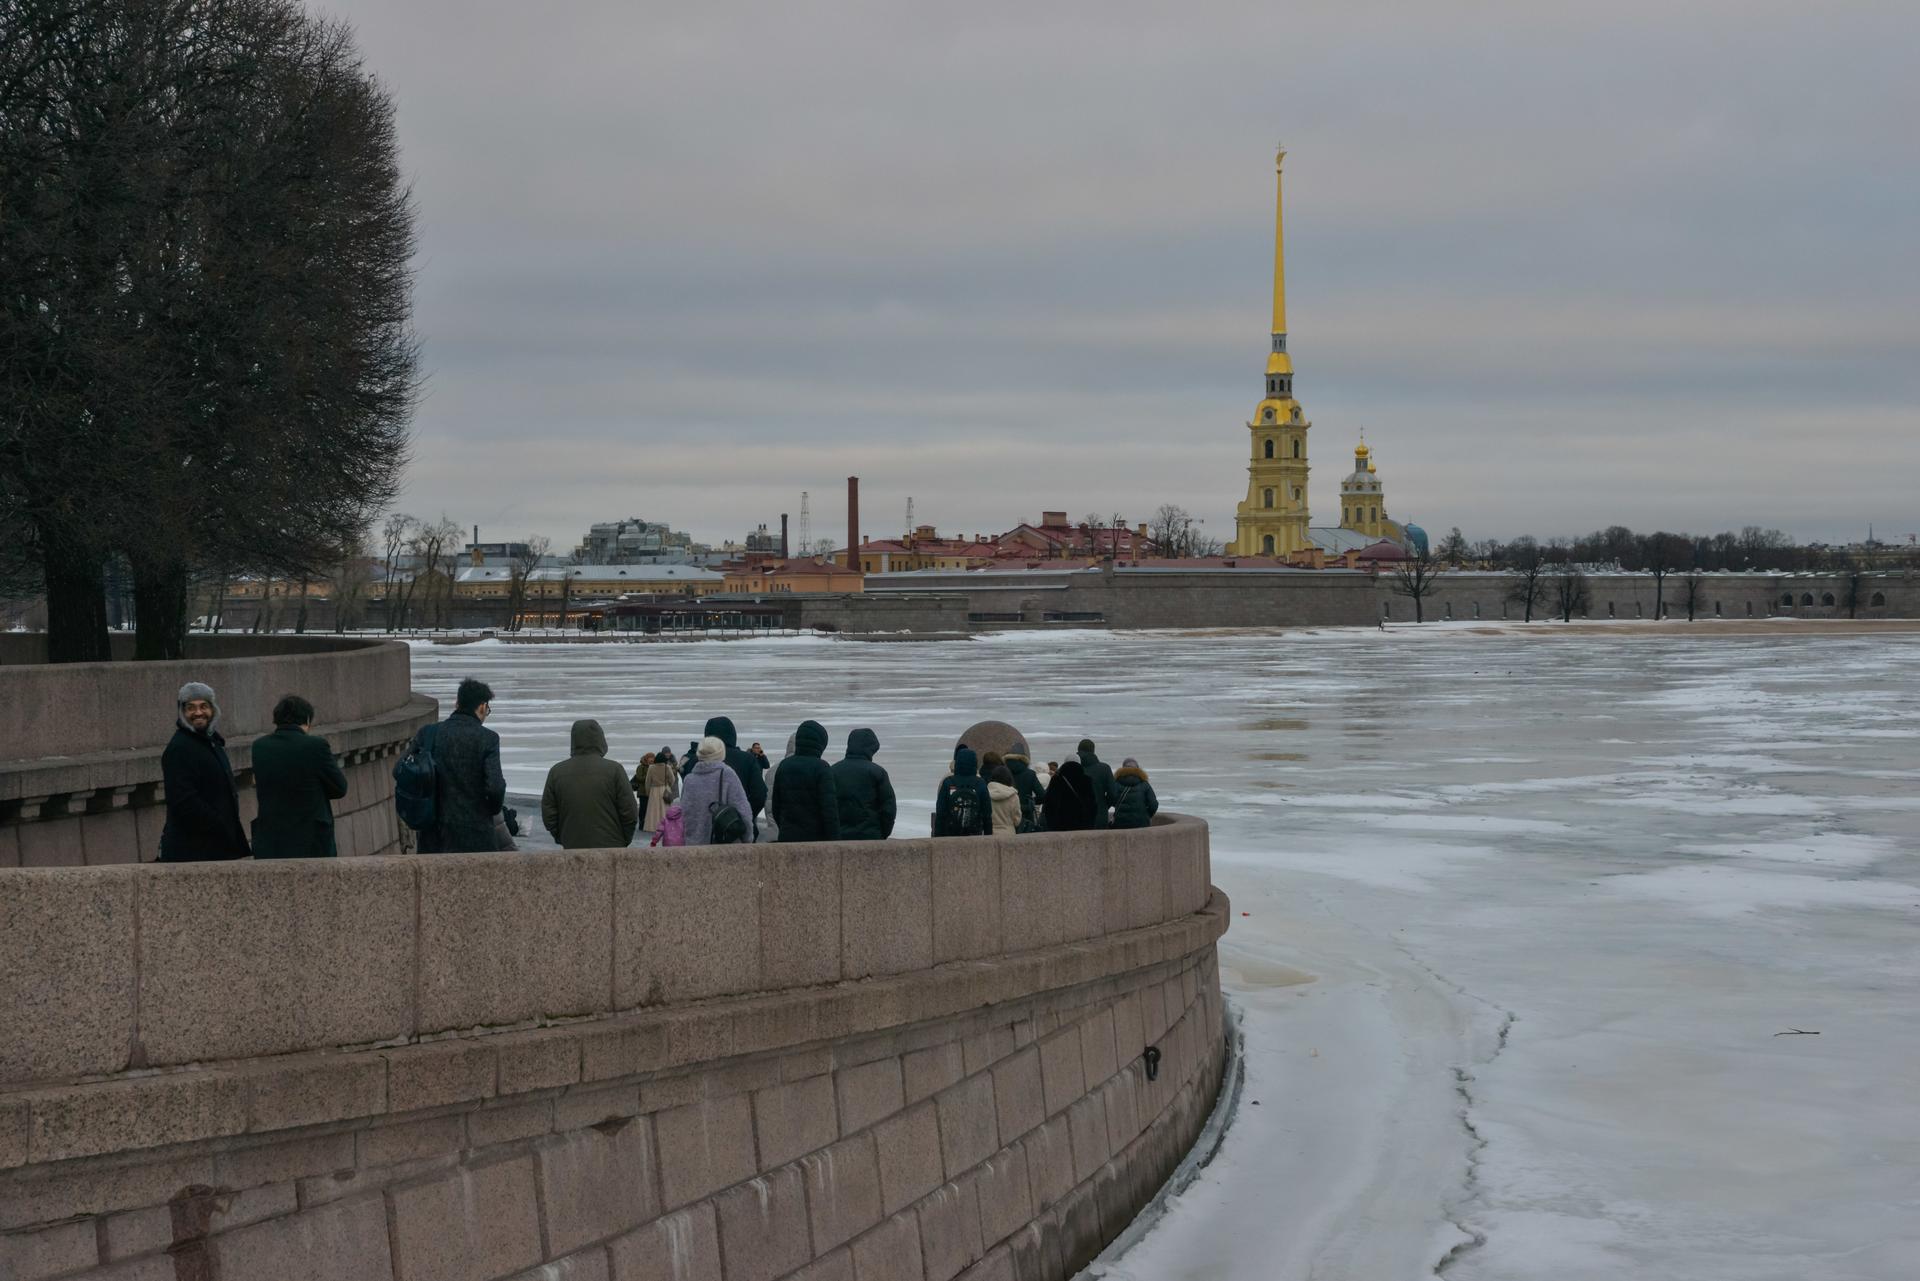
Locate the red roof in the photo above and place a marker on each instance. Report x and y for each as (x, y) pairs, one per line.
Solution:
(1383, 550)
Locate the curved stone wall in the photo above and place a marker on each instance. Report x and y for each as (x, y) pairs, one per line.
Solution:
(80, 743)
(900, 1059)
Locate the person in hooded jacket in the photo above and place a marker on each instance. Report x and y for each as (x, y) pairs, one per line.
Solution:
(1032, 787)
(963, 807)
(1069, 804)
(748, 770)
(1100, 778)
(711, 784)
(805, 805)
(203, 806)
(588, 803)
(1134, 803)
(867, 805)
(1006, 801)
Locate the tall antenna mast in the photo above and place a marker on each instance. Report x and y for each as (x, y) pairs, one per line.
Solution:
(909, 515)
(806, 524)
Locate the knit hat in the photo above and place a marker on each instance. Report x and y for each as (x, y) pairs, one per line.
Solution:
(192, 690)
(1086, 745)
(712, 749)
(1129, 763)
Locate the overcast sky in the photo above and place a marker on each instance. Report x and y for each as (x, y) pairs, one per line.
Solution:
(1567, 265)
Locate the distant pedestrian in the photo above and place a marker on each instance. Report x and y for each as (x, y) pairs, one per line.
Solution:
(469, 789)
(804, 805)
(1069, 804)
(963, 807)
(588, 803)
(1032, 788)
(1100, 778)
(759, 755)
(748, 770)
(1005, 797)
(867, 806)
(1134, 803)
(691, 759)
(296, 779)
(1053, 768)
(662, 788)
(708, 791)
(203, 806)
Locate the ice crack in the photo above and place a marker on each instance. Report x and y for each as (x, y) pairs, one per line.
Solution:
(1463, 1079)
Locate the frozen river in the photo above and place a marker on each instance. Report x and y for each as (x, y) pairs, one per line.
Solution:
(1525, 917)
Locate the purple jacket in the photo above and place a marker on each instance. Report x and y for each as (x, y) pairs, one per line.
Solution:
(711, 783)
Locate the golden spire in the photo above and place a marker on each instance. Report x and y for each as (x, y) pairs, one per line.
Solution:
(1279, 249)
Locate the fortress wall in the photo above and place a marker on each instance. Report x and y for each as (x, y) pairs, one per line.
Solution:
(80, 743)
(1483, 595)
(924, 1059)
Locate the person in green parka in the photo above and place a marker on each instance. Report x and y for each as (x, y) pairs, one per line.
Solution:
(296, 779)
(588, 803)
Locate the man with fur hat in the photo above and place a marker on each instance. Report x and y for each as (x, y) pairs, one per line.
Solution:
(203, 807)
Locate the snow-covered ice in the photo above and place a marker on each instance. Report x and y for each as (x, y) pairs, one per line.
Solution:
(1523, 918)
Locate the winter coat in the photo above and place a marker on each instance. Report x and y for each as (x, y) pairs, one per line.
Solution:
(1032, 788)
(1006, 808)
(469, 788)
(297, 779)
(747, 769)
(805, 805)
(203, 808)
(1134, 803)
(663, 788)
(867, 807)
(967, 790)
(1100, 779)
(710, 784)
(1069, 804)
(588, 803)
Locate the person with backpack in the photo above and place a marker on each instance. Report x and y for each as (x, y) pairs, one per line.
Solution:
(963, 807)
(1134, 803)
(588, 802)
(457, 765)
(867, 805)
(1006, 801)
(805, 806)
(1100, 779)
(713, 801)
(744, 767)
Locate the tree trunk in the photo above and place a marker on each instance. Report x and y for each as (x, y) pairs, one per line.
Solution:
(300, 620)
(159, 610)
(76, 605)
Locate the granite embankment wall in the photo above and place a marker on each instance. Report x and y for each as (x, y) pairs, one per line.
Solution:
(901, 1059)
(80, 743)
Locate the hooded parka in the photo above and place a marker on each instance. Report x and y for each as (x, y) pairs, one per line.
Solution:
(806, 806)
(867, 806)
(1100, 780)
(748, 770)
(1069, 803)
(588, 802)
(963, 808)
(1134, 803)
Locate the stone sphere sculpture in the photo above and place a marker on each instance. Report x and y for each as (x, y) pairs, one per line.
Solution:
(994, 736)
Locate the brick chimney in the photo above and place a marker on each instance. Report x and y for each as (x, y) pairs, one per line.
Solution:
(853, 522)
(784, 553)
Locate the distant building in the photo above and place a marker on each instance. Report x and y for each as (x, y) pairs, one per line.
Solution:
(589, 582)
(634, 541)
(775, 577)
(1052, 539)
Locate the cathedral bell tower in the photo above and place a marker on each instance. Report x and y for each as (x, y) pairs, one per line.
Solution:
(1273, 519)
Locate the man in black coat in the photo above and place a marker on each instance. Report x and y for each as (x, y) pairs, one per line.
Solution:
(1100, 778)
(203, 807)
(741, 761)
(297, 780)
(469, 788)
(867, 806)
(964, 808)
(805, 805)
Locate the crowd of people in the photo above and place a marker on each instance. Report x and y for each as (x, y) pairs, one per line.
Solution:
(449, 788)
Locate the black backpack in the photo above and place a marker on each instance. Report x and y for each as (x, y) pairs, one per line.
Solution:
(729, 828)
(965, 816)
(414, 782)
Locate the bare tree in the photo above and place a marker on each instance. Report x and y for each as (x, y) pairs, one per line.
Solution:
(1853, 582)
(396, 534)
(1570, 591)
(1527, 564)
(1693, 593)
(531, 553)
(1417, 577)
(351, 581)
(427, 546)
(824, 548)
(1660, 555)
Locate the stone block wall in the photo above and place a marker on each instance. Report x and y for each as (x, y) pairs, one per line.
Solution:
(966, 1093)
(80, 743)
